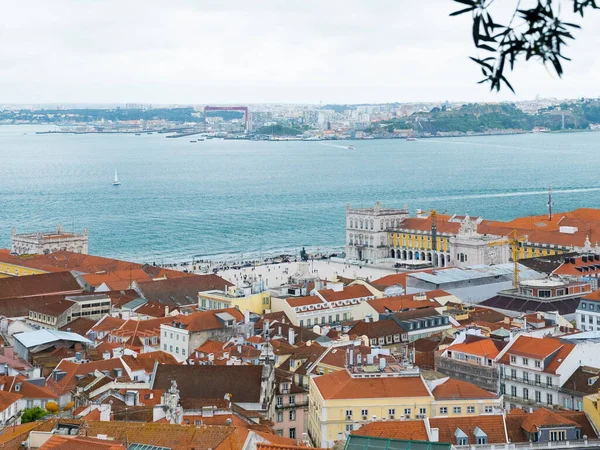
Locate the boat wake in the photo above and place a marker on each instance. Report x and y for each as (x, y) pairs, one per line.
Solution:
(345, 147)
(510, 194)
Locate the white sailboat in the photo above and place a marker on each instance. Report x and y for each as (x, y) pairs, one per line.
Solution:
(116, 182)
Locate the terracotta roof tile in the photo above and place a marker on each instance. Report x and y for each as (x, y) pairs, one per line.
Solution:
(7, 399)
(544, 417)
(205, 320)
(175, 437)
(484, 348)
(404, 302)
(413, 430)
(204, 382)
(27, 390)
(492, 425)
(181, 291)
(454, 389)
(341, 385)
(350, 292)
(80, 325)
(539, 348)
(37, 285)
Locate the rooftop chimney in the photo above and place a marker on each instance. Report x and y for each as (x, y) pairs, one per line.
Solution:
(291, 336)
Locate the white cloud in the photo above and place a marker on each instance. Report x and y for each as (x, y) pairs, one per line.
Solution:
(209, 51)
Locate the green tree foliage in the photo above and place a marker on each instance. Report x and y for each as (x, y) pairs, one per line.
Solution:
(33, 414)
(534, 32)
(279, 130)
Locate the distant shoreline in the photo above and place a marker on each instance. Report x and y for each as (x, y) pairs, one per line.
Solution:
(174, 134)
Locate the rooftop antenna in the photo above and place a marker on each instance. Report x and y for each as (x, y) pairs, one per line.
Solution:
(550, 203)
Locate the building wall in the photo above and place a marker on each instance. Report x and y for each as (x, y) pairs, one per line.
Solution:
(175, 341)
(257, 303)
(486, 377)
(301, 318)
(18, 270)
(8, 414)
(181, 343)
(587, 316)
(327, 420)
(367, 231)
(466, 407)
(41, 243)
(283, 422)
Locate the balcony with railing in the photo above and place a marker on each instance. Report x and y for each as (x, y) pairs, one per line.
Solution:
(485, 376)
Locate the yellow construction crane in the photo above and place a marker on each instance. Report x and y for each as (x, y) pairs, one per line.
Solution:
(514, 244)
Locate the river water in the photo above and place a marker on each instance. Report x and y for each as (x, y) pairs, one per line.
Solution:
(221, 198)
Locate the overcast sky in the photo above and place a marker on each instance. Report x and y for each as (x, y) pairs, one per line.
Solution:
(263, 51)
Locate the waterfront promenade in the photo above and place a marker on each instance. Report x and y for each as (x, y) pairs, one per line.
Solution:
(275, 275)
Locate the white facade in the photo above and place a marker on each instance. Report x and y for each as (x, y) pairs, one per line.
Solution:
(175, 341)
(367, 231)
(48, 242)
(587, 315)
(525, 382)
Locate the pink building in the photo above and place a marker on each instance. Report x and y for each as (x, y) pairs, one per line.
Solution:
(291, 407)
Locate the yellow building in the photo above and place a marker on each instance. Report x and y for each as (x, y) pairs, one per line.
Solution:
(340, 400)
(16, 270)
(591, 407)
(257, 303)
(343, 400)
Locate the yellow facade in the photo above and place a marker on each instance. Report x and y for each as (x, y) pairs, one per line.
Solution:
(17, 270)
(256, 303)
(417, 241)
(591, 406)
(328, 418)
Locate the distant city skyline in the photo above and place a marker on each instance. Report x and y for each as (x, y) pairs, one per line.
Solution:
(182, 52)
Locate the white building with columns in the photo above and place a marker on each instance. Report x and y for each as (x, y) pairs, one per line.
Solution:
(367, 231)
(48, 242)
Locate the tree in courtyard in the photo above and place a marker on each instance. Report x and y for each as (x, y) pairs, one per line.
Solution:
(534, 32)
(33, 414)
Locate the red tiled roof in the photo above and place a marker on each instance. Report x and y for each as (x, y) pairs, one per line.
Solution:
(205, 320)
(175, 437)
(544, 417)
(54, 308)
(65, 261)
(349, 292)
(38, 285)
(410, 430)
(492, 425)
(71, 369)
(517, 421)
(27, 390)
(77, 443)
(340, 385)
(108, 323)
(301, 301)
(117, 280)
(484, 348)
(454, 389)
(539, 348)
(80, 325)
(7, 399)
(397, 278)
(403, 302)
(265, 446)
(152, 309)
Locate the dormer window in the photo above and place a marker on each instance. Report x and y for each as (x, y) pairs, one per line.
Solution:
(461, 437)
(480, 436)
